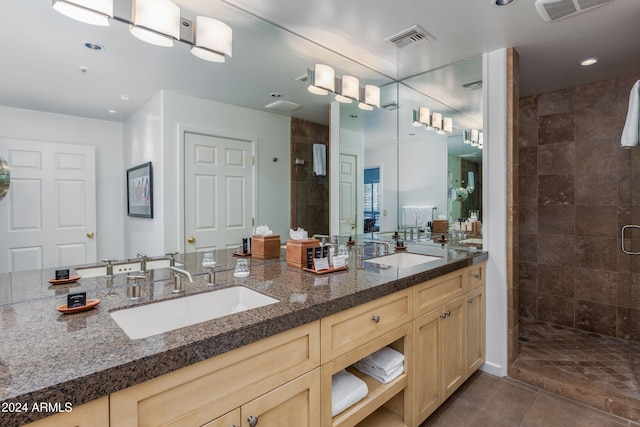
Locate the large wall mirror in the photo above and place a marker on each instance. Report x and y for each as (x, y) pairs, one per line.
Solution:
(402, 165)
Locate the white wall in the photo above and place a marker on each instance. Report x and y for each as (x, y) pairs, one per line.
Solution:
(143, 143)
(154, 134)
(107, 138)
(385, 157)
(495, 207)
(423, 172)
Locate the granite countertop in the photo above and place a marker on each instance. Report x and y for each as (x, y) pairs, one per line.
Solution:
(46, 356)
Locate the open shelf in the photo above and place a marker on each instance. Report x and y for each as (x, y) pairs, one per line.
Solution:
(382, 417)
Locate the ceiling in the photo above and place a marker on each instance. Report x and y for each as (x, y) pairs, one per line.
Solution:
(42, 55)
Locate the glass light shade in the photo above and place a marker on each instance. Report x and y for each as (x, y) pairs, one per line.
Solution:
(350, 87)
(425, 116)
(317, 91)
(467, 137)
(447, 124)
(366, 107)
(156, 21)
(324, 77)
(436, 120)
(416, 119)
(343, 99)
(372, 95)
(213, 39)
(94, 12)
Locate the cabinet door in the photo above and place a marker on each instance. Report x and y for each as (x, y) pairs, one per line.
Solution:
(453, 355)
(428, 390)
(91, 414)
(232, 419)
(295, 404)
(475, 333)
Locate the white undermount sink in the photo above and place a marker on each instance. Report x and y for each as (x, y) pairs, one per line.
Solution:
(403, 259)
(156, 318)
(130, 267)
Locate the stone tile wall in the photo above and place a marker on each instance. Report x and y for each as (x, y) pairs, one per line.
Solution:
(309, 193)
(574, 196)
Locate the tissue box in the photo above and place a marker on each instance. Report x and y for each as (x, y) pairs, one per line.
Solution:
(297, 251)
(265, 246)
(439, 226)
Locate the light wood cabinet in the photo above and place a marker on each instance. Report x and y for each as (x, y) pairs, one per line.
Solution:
(202, 392)
(232, 419)
(344, 331)
(476, 330)
(449, 339)
(353, 334)
(92, 414)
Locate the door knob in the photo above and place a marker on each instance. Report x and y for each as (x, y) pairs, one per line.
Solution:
(191, 239)
(90, 234)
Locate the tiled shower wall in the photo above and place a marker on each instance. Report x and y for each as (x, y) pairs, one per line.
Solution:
(574, 196)
(309, 192)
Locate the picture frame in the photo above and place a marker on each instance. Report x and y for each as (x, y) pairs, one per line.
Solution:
(140, 191)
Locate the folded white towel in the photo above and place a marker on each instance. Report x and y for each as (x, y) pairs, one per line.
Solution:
(320, 159)
(385, 359)
(631, 131)
(379, 375)
(409, 218)
(346, 390)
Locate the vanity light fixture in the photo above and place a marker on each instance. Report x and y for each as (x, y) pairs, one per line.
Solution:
(94, 12)
(435, 121)
(349, 90)
(212, 39)
(322, 80)
(157, 22)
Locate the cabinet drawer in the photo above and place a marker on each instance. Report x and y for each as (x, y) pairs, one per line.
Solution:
(476, 275)
(436, 292)
(349, 329)
(206, 390)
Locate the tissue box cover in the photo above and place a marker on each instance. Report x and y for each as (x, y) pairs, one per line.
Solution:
(265, 246)
(440, 226)
(297, 251)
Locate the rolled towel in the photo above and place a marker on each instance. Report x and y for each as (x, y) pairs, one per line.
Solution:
(346, 390)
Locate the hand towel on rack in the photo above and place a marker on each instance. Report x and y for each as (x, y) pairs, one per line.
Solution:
(631, 131)
(423, 214)
(346, 390)
(409, 218)
(320, 159)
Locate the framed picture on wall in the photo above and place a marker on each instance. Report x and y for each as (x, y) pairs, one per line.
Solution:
(140, 191)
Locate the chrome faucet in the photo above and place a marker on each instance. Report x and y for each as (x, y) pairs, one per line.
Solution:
(110, 262)
(177, 286)
(324, 238)
(385, 251)
(143, 262)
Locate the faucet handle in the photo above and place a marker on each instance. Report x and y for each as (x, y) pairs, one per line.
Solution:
(172, 258)
(110, 260)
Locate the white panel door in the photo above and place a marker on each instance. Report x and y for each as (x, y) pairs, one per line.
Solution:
(218, 191)
(348, 194)
(49, 215)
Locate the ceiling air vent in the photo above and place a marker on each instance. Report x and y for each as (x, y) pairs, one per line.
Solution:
(553, 10)
(473, 85)
(410, 37)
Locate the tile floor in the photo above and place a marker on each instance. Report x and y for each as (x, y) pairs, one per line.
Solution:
(486, 400)
(588, 368)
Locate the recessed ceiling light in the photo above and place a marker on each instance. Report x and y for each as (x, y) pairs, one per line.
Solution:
(502, 2)
(276, 94)
(93, 46)
(112, 111)
(589, 61)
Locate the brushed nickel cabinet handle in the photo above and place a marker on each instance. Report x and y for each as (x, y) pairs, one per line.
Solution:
(253, 421)
(476, 275)
(470, 300)
(375, 318)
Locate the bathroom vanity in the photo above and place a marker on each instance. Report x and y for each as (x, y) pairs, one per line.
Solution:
(271, 365)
